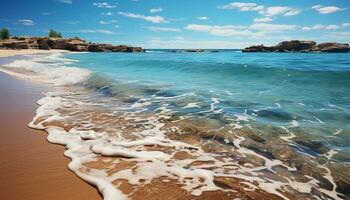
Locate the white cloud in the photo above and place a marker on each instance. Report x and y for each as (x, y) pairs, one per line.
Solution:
(339, 36)
(279, 10)
(107, 13)
(241, 6)
(97, 31)
(326, 9)
(65, 1)
(332, 27)
(155, 10)
(46, 13)
(265, 11)
(104, 5)
(26, 22)
(203, 18)
(272, 27)
(292, 12)
(108, 22)
(345, 25)
(228, 30)
(326, 27)
(314, 27)
(183, 43)
(179, 38)
(255, 30)
(71, 22)
(153, 28)
(263, 19)
(154, 19)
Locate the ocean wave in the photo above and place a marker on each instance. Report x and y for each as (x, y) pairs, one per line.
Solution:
(145, 145)
(52, 69)
(135, 133)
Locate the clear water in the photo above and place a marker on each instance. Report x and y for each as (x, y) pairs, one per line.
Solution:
(311, 91)
(279, 121)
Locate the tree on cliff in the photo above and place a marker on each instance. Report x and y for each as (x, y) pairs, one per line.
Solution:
(4, 34)
(54, 34)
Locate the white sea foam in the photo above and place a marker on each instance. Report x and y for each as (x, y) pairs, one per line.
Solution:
(242, 117)
(52, 69)
(289, 137)
(87, 144)
(192, 105)
(330, 154)
(84, 146)
(339, 130)
(335, 106)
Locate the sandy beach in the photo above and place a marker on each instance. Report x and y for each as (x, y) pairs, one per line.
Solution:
(6, 53)
(31, 168)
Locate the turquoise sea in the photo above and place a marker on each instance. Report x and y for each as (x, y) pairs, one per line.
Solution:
(277, 122)
(270, 89)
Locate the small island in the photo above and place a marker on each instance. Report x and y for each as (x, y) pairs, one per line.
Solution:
(301, 46)
(55, 41)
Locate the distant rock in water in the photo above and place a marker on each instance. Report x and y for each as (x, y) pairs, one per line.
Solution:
(111, 48)
(71, 44)
(301, 46)
(194, 50)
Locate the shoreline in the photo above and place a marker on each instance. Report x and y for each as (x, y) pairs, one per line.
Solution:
(8, 53)
(100, 163)
(32, 168)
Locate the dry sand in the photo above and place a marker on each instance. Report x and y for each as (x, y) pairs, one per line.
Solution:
(30, 167)
(6, 53)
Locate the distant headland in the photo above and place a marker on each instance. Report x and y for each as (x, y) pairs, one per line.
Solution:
(301, 46)
(55, 41)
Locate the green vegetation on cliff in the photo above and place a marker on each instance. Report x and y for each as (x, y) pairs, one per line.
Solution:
(55, 34)
(4, 34)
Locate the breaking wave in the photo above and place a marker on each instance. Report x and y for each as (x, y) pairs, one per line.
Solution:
(124, 137)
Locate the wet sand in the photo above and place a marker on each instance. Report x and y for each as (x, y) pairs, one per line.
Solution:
(30, 167)
(6, 53)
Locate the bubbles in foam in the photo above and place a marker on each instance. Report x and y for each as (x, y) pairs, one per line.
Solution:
(143, 142)
(92, 131)
(56, 73)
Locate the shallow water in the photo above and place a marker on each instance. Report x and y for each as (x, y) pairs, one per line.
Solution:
(310, 90)
(280, 121)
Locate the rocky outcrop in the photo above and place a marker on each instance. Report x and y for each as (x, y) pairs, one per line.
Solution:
(301, 46)
(77, 44)
(13, 44)
(43, 43)
(194, 50)
(111, 48)
(71, 44)
(333, 47)
(191, 50)
(57, 43)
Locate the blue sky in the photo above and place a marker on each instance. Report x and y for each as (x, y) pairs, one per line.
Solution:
(181, 23)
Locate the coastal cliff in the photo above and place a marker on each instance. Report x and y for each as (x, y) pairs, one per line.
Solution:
(301, 46)
(71, 44)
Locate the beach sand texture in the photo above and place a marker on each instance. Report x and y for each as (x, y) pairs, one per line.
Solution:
(31, 168)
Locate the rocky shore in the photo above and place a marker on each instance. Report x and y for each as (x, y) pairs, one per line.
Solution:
(71, 44)
(193, 50)
(301, 46)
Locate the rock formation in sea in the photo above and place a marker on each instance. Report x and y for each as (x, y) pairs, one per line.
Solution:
(191, 50)
(194, 50)
(71, 44)
(301, 46)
